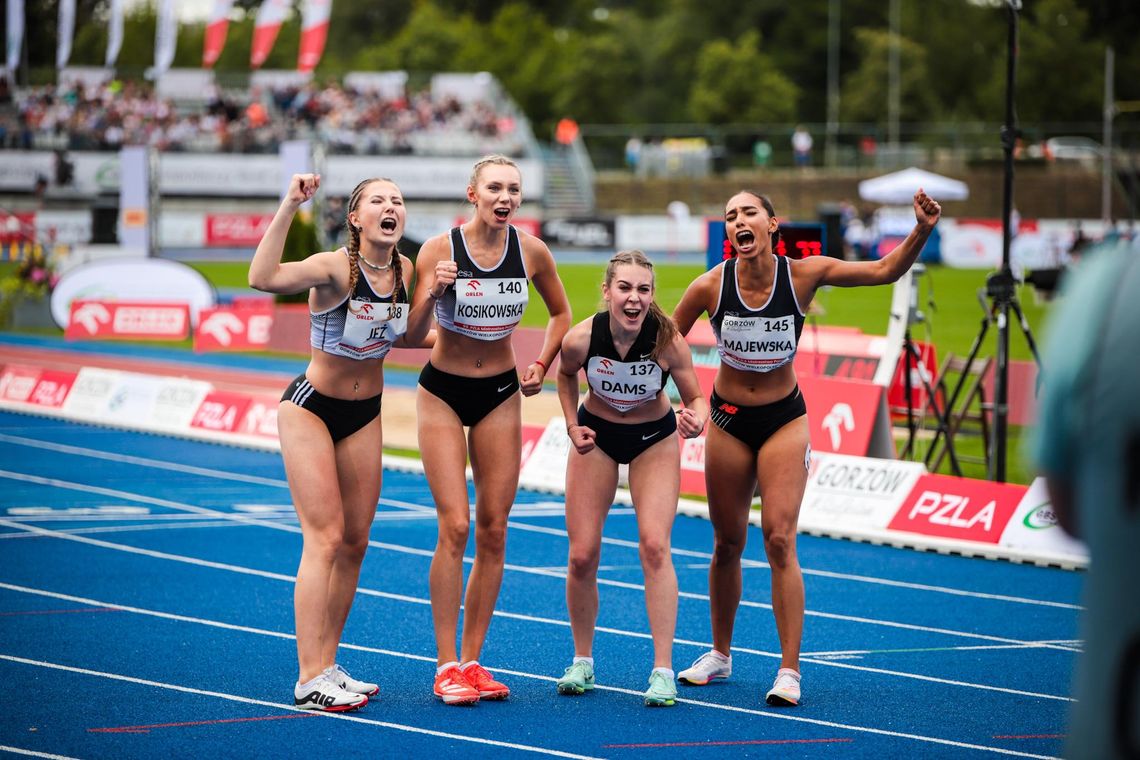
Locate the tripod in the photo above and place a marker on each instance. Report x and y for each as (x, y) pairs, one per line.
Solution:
(911, 354)
(1000, 284)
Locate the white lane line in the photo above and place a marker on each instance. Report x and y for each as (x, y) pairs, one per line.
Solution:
(916, 650)
(221, 474)
(244, 520)
(778, 715)
(33, 753)
(289, 708)
(702, 645)
(118, 529)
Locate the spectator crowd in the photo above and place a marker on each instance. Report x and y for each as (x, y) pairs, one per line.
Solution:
(257, 120)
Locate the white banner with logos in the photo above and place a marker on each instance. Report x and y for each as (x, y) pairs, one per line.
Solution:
(1034, 529)
(848, 494)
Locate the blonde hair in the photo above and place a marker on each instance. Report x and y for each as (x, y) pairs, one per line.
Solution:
(354, 240)
(492, 160)
(666, 330)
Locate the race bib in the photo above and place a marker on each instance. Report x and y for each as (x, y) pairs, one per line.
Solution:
(489, 308)
(623, 385)
(371, 328)
(757, 344)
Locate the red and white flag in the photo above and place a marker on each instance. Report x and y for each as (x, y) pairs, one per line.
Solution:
(270, 16)
(314, 33)
(216, 27)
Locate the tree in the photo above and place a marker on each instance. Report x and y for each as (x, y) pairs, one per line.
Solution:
(1059, 70)
(736, 83)
(865, 89)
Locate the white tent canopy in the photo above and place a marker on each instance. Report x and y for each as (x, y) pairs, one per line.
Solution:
(900, 187)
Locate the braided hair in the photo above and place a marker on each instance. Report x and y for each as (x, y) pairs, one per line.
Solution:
(354, 241)
(666, 330)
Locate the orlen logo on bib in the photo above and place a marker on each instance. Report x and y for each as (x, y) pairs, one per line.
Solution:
(950, 507)
(473, 288)
(605, 368)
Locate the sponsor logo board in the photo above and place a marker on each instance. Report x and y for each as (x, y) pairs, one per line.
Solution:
(855, 493)
(958, 508)
(1034, 527)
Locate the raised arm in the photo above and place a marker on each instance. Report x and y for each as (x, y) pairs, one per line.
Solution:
(544, 275)
(691, 420)
(574, 348)
(824, 270)
(266, 272)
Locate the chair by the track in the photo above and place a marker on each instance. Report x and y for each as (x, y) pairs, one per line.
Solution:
(968, 411)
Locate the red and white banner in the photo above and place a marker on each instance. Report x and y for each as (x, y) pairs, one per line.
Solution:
(234, 329)
(314, 32)
(221, 412)
(958, 508)
(236, 229)
(216, 27)
(270, 16)
(923, 370)
(123, 319)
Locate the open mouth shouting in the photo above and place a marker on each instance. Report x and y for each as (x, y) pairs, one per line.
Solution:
(502, 213)
(389, 224)
(745, 241)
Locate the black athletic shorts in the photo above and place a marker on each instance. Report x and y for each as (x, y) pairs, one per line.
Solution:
(471, 398)
(754, 425)
(621, 442)
(341, 417)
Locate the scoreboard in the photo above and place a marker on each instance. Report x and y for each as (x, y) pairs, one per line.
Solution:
(798, 240)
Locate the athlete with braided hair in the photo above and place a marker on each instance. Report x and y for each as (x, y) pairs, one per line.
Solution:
(329, 417)
(628, 353)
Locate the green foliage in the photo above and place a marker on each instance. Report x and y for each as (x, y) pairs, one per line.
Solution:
(735, 82)
(865, 89)
(1059, 70)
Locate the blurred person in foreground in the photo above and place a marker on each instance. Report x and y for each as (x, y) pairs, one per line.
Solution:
(1087, 446)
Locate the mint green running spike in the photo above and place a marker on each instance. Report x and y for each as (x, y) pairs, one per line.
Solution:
(578, 678)
(662, 691)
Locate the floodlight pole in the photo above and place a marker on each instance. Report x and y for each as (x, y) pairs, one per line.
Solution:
(999, 285)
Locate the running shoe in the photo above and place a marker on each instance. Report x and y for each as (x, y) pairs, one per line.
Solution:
(322, 693)
(482, 682)
(578, 678)
(710, 666)
(785, 692)
(452, 687)
(662, 691)
(340, 676)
